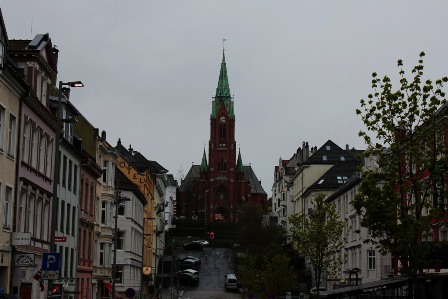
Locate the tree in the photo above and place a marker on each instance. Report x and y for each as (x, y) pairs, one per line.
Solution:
(398, 201)
(278, 276)
(318, 238)
(254, 235)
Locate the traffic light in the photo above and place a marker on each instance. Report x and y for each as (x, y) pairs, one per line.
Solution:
(57, 290)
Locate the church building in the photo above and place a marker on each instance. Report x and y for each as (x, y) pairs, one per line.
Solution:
(216, 189)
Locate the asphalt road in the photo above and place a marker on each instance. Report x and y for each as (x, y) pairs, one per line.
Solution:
(216, 262)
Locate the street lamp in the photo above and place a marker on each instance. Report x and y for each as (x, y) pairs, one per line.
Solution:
(205, 208)
(55, 203)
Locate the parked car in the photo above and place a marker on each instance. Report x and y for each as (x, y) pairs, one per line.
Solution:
(219, 217)
(191, 258)
(203, 242)
(230, 282)
(187, 276)
(189, 264)
(194, 245)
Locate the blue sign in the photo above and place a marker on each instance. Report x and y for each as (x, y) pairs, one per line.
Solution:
(50, 265)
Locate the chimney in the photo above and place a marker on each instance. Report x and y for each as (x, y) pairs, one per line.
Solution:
(131, 150)
(347, 147)
(56, 58)
(307, 151)
(103, 135)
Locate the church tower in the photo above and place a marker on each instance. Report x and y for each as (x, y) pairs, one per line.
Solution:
(221, 185)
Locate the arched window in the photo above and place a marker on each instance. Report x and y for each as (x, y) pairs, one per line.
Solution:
(222, 129)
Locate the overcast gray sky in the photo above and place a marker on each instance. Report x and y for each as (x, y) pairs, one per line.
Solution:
(297, 69)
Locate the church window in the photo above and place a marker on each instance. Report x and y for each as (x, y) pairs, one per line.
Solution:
(222, 130)
(222, 166)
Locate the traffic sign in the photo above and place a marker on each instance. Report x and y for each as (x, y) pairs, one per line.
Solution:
(50, 265)
(60, 239)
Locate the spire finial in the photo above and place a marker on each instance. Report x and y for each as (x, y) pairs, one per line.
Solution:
(223, 47)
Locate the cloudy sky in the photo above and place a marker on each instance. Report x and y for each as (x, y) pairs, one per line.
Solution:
(297, 69)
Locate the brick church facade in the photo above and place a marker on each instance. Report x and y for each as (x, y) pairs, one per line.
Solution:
(218, 188)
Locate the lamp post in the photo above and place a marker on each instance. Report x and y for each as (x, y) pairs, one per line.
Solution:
(205, 209)
(56, 171)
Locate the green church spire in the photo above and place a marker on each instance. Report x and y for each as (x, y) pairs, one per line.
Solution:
(223, 92)
(204, 166)
(223, 89)
(239, 163)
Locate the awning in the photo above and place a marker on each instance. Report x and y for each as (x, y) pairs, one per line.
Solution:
(366, 288)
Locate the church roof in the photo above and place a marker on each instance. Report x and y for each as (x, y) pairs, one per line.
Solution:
(253, 181)
(192, 178)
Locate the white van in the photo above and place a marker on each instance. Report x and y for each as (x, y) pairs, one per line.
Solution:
(231, 283)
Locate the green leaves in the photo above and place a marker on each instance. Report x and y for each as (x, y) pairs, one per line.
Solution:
(396, 203)
(318, 237)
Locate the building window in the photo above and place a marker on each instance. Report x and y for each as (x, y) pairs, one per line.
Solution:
(64, 171)
(75, 179)
(119, 274)
(73, 220)
(67, 222)
(72, 263)
(371, 259)
(69, 182)
(62, 219)
(120, 208)
(2, 127)
(222, 130)
(342, 179)
(103, 212)
(42, 151)
(7, 208)
(34, 146)
(101, 254)
(104, 171)
(66, 259)
(45, 219)
(49, 157)
(26, 141)
(30, 219)
(120, 241)
(39, 218)
(22, 211)
(11, 136)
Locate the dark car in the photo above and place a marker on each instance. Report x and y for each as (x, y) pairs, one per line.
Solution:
(187, 276)
(189, 264)
(190, 257)
(194, 245)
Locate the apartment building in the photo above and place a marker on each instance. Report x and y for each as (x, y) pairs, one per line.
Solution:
(129, 217)
(13, 89)
(90, 173)
(37, 61)
(103, 237)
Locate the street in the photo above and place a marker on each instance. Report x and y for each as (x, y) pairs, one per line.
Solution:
(216, 262)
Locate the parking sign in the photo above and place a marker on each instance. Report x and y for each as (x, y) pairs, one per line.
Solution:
(50, 265)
